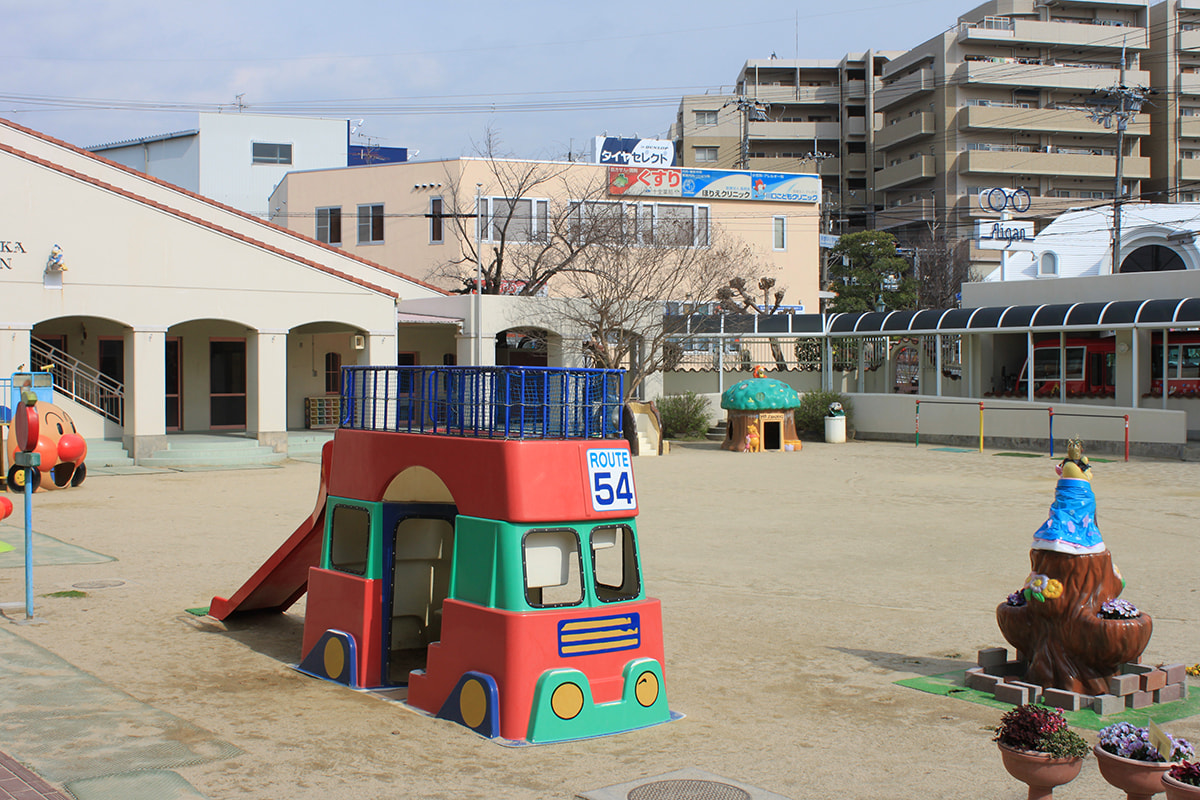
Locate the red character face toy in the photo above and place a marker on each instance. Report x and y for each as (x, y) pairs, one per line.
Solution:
(62, 450)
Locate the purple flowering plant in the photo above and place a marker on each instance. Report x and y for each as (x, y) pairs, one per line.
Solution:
(1119, 609)
(1016, 599)
(1186, 772)
(1040, 729)
(1129, 741)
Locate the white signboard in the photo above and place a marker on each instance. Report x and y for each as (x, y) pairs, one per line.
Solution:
(1004, 234)
(610, 479)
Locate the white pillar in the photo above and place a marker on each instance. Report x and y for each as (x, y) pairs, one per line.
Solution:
(145, 382)
(266, 388)
(381, 349)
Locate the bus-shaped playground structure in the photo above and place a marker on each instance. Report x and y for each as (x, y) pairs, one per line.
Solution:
(475, 539)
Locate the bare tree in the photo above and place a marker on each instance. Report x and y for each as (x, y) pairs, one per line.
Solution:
(942, 267)
(736, 297)
(618, 303)
(528, 229)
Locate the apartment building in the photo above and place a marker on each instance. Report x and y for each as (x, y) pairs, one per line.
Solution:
(796, 115)
(1001, 100)
(1175, 114)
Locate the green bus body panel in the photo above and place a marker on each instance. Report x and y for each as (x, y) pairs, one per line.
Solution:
(595, 719)
(489, 570)
(375, 548)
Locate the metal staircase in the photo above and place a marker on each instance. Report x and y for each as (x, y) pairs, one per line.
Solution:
(81, 382)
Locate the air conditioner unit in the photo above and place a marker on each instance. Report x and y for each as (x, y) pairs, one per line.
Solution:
(360, 341)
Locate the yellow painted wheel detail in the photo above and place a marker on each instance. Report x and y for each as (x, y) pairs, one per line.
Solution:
(472, 703)
(646, 688)
(567, 701)
(335, 657)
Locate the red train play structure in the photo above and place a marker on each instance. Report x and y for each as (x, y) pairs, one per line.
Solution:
(475, 539)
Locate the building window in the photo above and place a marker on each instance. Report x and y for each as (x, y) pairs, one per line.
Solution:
(676, 225)
(514, 219)
(329, 225)
(706, 117)
(370, 224)
(779, 232)
(1048, 265)
(333, 372)
(268, 153)
(705, 154)
(436, 220)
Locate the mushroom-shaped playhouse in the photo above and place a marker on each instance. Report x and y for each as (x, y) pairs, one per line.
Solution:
(761, 416)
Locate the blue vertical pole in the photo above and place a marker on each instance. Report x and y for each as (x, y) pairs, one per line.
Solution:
(29, 542)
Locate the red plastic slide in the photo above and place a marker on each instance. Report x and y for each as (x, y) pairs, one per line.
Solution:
(283, 579)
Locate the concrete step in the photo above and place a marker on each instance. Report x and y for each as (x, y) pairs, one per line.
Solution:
(717, 432)
(107, 453)
(307, 444)
(200, 450)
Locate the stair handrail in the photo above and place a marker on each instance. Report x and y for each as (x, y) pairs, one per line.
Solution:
(80, 381)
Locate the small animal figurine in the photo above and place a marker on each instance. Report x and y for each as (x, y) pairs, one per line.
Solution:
(753, 441)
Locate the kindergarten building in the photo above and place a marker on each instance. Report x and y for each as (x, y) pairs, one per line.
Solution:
(161, 310)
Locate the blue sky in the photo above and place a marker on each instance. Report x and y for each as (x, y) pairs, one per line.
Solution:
(430, 76)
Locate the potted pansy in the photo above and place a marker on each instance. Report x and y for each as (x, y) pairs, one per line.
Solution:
(1039, 749)
(1119, 609)
(1182, 781)
(1130, 761)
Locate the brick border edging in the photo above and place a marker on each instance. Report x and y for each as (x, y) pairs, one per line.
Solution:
(17, 781)
(1135, 686)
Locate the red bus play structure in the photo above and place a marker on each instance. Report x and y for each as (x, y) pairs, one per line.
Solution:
(475, 539)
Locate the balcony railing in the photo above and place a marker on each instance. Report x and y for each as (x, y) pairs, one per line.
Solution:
(484, 402)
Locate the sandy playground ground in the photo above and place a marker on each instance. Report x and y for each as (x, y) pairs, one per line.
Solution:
(797, 589)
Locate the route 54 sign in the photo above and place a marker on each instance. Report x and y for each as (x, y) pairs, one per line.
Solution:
(610, 479)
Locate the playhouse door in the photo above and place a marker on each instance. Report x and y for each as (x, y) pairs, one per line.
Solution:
(418, 580)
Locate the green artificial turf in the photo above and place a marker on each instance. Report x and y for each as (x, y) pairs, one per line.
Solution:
(953, 684)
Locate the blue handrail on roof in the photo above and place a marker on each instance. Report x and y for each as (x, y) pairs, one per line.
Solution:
(484, 402)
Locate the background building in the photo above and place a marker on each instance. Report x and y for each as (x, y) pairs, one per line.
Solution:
(1175, 112)
(796, 115)
(237, 159)
(419, 217)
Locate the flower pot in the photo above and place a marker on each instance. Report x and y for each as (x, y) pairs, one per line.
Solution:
(1140, 780)
(1178, 790)
(1038, 770)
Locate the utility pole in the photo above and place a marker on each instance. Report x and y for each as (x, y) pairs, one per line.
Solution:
(750, 109)
(1117, 104)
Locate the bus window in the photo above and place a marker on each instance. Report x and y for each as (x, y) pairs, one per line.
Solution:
(1045, 364)
(1075, 363)
(349, 539)
(1190, 365)
(614, 560)
(552, 573)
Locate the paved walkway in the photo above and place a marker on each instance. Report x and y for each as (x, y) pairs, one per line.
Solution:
(18, 783)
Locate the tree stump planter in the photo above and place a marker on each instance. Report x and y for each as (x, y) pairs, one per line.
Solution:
(1039, 771)
(1065, 641)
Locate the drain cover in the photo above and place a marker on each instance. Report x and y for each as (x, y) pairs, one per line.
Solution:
(104, 584)
(687, 790)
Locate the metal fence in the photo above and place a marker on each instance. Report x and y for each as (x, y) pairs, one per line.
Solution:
(484, 402)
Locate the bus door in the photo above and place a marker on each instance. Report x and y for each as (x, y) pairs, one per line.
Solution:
(418, 556)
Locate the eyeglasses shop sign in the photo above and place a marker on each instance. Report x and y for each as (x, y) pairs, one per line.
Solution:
(9, 249)
(1004, 234)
